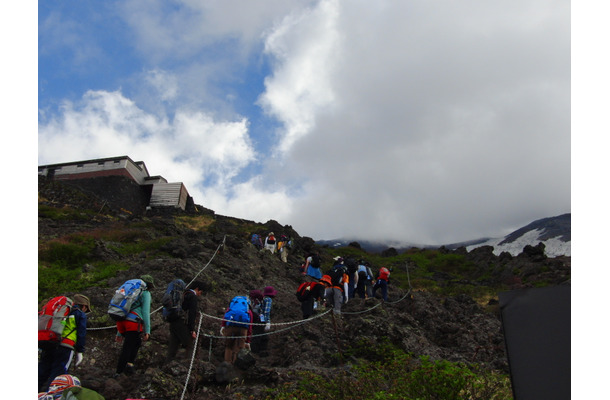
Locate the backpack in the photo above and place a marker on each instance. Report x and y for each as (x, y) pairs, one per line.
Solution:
(237, 314)
(364, 273)
(271, 239)
(315, 261)
(124, 298)
(362, 276)
(52, 320)
(336, 275)
(81, 393)
(384, 274)
(352, 265)
(256, 240)
(172, 300)
(304, 290)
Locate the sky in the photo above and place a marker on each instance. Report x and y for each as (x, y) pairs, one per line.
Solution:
(424, 122)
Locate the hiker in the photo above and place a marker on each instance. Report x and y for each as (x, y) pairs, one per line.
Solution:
(260, 341)
(55, 359)
(383, 279)
(236, 326)
(257, 241)
(352, 272)
(270, 243)
(256, 306)
(312, 266)
(68, 387)
(134, 329)
(283, 244)
(182, 328)
(336, 294)
(311, 295)
(365, 278)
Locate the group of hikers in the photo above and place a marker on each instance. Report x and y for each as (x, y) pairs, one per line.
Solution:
(63, 329)
(280, 244)
(345, 279)
(247, 319)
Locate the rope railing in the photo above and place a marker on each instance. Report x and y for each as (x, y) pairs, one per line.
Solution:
(288, 325)
(188, 375)
(221, 245)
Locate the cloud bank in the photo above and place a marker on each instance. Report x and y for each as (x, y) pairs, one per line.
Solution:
(428, 123)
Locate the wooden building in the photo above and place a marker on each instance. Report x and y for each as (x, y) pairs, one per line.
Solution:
(162, 193)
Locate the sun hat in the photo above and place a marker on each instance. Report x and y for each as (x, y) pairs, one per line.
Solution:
(269, 291)
(256, 294)
(150, 282)
(83, 300)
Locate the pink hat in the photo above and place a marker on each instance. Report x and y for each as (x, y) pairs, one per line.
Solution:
(256, 294)
(269, 291)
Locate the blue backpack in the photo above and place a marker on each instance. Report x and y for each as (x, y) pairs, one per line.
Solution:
(237, 315)
(124, 298)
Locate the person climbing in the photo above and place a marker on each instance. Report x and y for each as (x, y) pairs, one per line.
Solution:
(181, 329)
(236, 327)
(352, 272)
(260, 341)
(311, 295)
(312, 266)
(270, 242)
(55, 359)
(383, 280)
(283, 245)
(337, 294)
(134, 329)
(256, 305)
(365, 278)
(257, 241)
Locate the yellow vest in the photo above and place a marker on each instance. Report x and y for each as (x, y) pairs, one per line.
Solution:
(69, 333)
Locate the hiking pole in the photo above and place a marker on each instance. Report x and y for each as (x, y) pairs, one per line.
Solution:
(337, 335)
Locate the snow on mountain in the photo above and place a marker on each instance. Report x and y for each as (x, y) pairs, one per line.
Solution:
(553, 246)
(554, 232)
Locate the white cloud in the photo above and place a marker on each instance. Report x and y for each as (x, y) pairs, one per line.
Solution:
(450, 117)
(431, 123)
(303, 47)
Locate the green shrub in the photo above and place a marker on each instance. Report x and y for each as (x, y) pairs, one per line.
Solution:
(66, 254)
(54, 280)
(399, 376)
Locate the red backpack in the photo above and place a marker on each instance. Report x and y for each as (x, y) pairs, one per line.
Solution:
(304, 290)
(51, 320)
(384, 274)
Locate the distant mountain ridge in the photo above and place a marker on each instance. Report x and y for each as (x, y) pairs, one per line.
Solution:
(554, 232)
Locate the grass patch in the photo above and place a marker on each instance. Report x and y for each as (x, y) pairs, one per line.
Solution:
(394, 374)
(54, 279)
(197, 223)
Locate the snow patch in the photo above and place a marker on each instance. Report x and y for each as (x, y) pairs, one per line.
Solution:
(554, 247)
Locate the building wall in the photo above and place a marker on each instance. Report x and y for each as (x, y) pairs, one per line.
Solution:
(109, 178)
(120, 193)
(169, 195)
(123, 166)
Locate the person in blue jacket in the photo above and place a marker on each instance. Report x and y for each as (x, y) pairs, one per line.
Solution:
(56, 361)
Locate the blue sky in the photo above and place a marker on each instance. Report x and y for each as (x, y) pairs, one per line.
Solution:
(407, 121)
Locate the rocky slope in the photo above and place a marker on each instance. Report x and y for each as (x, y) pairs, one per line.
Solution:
(454, 328)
